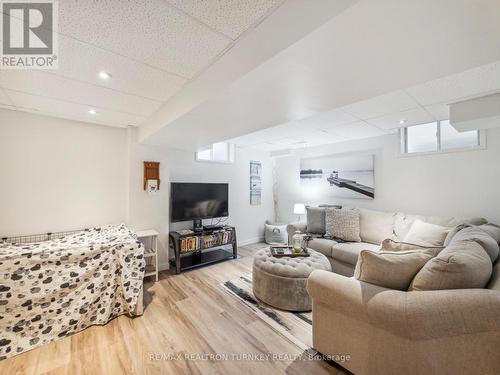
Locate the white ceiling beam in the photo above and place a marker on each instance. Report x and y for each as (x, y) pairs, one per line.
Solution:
(474, 114)
(370, 49)
(285, 26)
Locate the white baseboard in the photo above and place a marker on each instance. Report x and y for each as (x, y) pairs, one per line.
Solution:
(163, 267)
(250, 241)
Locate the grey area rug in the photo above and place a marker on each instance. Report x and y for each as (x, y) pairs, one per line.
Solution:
(295, 326)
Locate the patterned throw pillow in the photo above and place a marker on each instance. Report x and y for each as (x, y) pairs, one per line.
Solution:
(343, 224)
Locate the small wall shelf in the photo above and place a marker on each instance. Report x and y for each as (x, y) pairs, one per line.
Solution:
(150, 240)
(151, 172)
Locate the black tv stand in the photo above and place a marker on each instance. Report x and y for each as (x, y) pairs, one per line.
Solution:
(211, 228)
(189, 259)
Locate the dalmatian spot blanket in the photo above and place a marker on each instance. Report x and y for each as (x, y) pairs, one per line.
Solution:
(53, 289)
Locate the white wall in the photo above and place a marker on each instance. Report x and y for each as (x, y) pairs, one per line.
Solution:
(59, 174)
(152, 210)
(148, 211)
(459, 183)
(248, 220)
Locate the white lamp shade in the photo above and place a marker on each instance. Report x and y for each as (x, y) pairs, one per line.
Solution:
(299, 208)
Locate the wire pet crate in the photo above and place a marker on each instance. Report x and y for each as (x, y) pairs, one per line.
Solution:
(35, 238)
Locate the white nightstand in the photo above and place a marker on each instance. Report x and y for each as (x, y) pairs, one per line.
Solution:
(150, 240)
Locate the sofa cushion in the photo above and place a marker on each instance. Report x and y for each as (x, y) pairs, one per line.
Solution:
(403, 222)
(427, 234)
(391, 269)
(493, 230)
(461, 265)
(315, 220)
(330, 206)
(494, 282)
(391, 245)
(375, 226)
(483, 238)
(453, 232)
(322, 245)
(276, 234)
(454, 221)
(348, 251)
(343, 224)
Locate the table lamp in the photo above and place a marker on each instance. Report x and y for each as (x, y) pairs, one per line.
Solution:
(299, 209)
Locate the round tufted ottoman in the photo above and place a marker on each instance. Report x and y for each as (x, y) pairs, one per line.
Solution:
(281, 282)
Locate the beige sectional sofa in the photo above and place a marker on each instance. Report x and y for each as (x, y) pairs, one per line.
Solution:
(375, 226)
(384, 331)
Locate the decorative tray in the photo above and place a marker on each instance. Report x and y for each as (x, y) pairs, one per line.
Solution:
(287, 251)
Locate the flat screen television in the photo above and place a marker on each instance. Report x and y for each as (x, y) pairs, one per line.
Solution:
(191, 201)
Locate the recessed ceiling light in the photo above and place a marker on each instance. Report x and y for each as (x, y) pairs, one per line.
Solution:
(92, 112)
(401, 122)
(104, 75)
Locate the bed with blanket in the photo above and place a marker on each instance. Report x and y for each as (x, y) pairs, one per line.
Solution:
(52, 289)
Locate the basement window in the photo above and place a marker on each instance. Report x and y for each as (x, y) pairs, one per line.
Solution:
(438, 136)
(221, 152)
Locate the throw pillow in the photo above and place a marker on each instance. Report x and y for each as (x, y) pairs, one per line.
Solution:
(330, 206)
(482, 237)
(403, 223)
(391, 245)
(462, 265)
(315, 220)
(426, 234)
(389, 269)
(276, 234)
(375, 226)
(343, 224)
(453, 232)
(493, 230)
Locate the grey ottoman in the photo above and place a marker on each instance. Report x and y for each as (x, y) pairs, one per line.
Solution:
(281, 282)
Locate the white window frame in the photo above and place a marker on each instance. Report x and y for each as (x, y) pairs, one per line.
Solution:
(403, 143)
(230, 154)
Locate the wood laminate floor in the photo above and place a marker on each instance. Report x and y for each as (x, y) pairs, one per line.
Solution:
(187, 316)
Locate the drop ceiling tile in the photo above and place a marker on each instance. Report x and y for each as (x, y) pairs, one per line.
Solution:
(357, 130)
(4, 99)
(393, 102)
(257, 137)
(151, 31)
(44, 83)
(82, 62)
(7, 106)
(321, 137)
(271, 134)
(280, 137)
(230, 17)
(439, 111)
(327, 120)
(285, 141)
(268, 146)
(246, 140)
(58, 108)
(411, 117)
(289, 129)
(474, 82)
